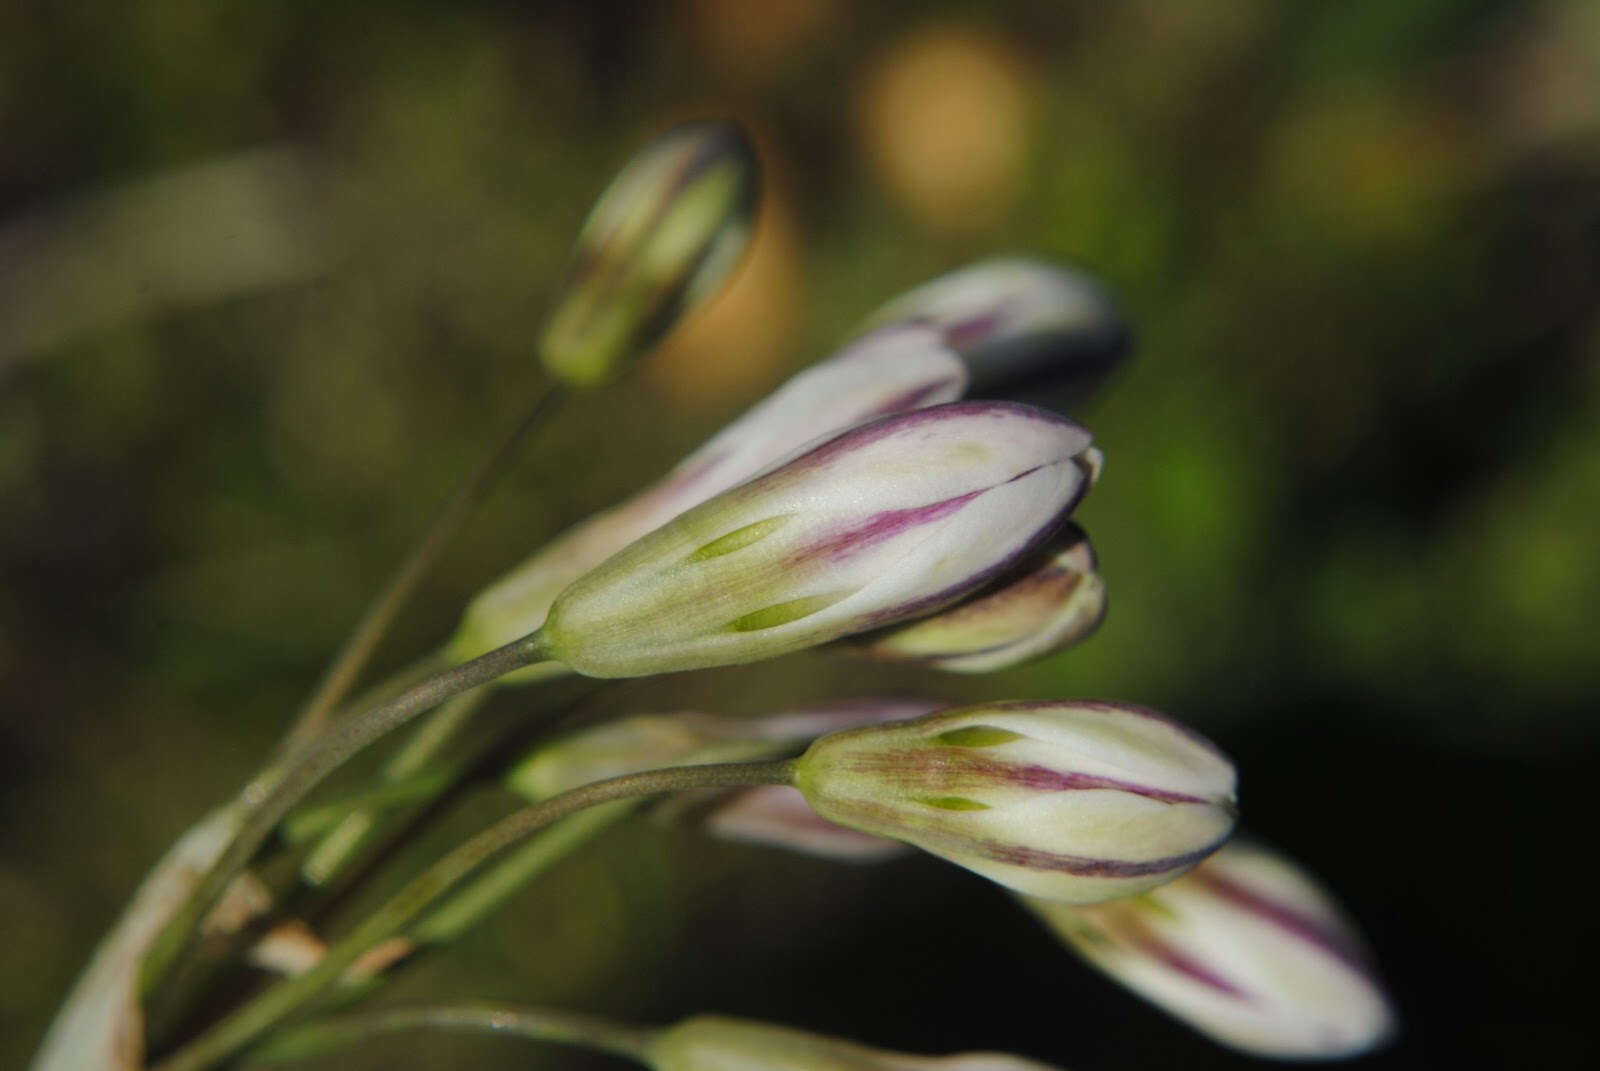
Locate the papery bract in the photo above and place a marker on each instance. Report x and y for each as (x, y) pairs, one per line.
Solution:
(888, 371)
(717, 1043)
(1070, 800)
(891, 520)
(661, 238)
(1247, 949)
(1052, 601)
(1020, 324)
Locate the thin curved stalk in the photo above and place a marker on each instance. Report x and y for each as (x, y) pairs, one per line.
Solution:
(274, 793)
(535, 1024)
(346, 667)
(250, 1021)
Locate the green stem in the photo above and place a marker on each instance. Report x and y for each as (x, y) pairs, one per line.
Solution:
(331, 853)
(272, 794)
(535, 1024)
(249, 1021)
(316, 822)
(497, 884)
(346, 668)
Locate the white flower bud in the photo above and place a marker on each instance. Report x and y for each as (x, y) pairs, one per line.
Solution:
(1070, 800)
(1247, 949)
(888, 521)
(661, 238)
(1054, 600)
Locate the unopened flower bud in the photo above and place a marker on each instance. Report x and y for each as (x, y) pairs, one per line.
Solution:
(777, 816)
(1056, 599)
(1069, 800)
(1247, 949)
(888, 371)
(716, 1043)
(891, 520)
(661, 238)
(1021, 325)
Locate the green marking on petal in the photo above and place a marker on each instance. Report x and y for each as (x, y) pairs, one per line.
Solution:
(739, 538)
(977, 736)
(953, 803)
(783, 612)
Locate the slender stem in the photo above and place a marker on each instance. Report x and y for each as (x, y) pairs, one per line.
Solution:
(342, 674)
(488, 890)
(313, 822)
(248, 1022)
(535, 1024)
(274, 793)
(331, 853)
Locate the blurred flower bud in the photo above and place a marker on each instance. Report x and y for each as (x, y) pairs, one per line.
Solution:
(1071, 800)
(661, 239)
(891, 520)
(777, 816)
(1021, 325)
(888, 371)
(715, 1043)
(648, 741)
(1247, 949)
(1052, 602)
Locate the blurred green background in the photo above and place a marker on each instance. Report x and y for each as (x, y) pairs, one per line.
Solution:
(268, 275)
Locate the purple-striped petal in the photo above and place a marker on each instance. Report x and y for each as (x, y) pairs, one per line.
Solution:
(1072, 801)
(1247, 949)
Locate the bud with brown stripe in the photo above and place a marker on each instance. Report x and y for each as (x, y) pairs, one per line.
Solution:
(1075, 801)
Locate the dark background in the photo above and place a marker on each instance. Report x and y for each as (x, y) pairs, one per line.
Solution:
(268, 279)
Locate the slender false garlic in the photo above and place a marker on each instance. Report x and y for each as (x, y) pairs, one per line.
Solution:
(1055, 600)
(716, 1043)
(1247, 949)
(1020, 324)
(888, 371)
(1072, 800)
(661, 238)
(891, 520)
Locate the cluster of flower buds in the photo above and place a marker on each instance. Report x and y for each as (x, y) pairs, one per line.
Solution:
(887, 371)
(716, 1043)
(663, 237)
(892, 520)
(1246, 948)
(1072, 801)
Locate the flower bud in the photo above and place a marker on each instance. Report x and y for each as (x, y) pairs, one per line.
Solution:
(888, 371)
(661, 238)
(891, 520)
(1070, 800)
(1055, 600)
(1020, 325)
(1247, 949)
(716, 1043)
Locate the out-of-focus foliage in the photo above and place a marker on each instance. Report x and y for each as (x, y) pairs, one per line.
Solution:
(1346, 524)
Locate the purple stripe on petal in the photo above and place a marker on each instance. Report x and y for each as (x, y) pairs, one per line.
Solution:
(911, 399)
(1089, 867)
(881, 526)
(897, 423)
(1047, 780)
(1311, 930)
(1175, 960)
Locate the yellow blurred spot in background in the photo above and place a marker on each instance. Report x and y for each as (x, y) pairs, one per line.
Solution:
(944, 121)
(757, 41)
